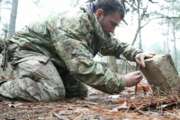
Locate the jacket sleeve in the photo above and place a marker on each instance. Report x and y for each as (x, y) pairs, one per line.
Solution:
(114, 47)
(79, 62)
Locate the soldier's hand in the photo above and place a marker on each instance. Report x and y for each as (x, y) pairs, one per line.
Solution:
(141, 57)
(132, 79)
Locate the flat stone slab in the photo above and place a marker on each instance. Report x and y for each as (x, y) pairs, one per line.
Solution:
(161, 74)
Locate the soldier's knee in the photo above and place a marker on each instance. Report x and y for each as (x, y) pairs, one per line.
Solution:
(40, 91)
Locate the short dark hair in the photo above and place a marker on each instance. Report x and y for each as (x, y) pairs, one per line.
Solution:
(110, 6)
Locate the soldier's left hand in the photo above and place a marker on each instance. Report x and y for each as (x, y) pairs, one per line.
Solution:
(141, 57)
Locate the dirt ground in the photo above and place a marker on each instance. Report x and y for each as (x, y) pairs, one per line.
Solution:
(97, 106)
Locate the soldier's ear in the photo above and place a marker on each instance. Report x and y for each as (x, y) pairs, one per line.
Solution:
(99, 13)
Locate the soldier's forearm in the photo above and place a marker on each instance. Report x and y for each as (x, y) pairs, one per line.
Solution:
(98, 76)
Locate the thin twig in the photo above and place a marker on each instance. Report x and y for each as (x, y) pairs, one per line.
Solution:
(60, 117)
(137, 109)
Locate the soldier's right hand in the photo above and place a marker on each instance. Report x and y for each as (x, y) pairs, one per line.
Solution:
(132, 78)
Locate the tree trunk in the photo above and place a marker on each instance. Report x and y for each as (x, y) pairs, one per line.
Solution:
(167, 40)
(174, 35)
(0, 11)
(161, 73)
(12, 24)
(112, 63)
(139, 24)
(174, 45)
(139, 27)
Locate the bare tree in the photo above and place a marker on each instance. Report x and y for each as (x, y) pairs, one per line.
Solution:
(0, 10)
(113, 64)
(141, 10)
(174, 44)
(12, 23)
(174, 36)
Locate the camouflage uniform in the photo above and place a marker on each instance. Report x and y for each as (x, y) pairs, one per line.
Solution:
(53, 59)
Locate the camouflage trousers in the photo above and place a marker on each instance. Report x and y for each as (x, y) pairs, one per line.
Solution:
(35, 78)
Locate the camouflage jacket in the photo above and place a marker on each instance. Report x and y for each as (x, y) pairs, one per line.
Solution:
(75, 38)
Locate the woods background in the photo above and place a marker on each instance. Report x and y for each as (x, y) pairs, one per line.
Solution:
(152, 25)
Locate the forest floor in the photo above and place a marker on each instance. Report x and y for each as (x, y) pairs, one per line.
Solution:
(97, 106)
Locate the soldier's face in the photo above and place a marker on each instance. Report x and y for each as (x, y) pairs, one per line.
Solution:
(108, 21)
